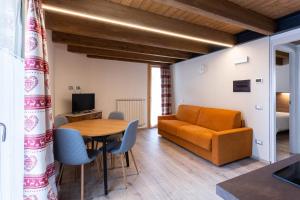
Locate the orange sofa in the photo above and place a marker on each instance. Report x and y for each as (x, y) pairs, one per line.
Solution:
(215, 134)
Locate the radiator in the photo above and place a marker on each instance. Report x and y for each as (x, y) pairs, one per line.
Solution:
(133, 109)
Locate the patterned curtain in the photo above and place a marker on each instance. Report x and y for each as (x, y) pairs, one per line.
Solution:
(166, 90)
(39, 172)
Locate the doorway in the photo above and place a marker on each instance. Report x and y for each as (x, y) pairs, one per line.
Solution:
(284, 95)
(155, 94)
(283, 103)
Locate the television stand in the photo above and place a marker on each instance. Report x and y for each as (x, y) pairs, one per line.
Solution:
(87, 111)
(75, 117)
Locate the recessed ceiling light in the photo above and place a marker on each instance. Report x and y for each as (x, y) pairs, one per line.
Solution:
(131, 25)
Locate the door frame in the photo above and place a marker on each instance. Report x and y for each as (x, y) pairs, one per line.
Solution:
(276, 43)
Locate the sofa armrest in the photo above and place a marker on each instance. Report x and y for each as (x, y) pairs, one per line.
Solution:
(166, 117)
(231, 145)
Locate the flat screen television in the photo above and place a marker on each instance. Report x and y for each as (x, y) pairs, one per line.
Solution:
(83, 102)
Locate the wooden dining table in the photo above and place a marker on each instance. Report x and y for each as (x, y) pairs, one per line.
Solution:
(100, 128)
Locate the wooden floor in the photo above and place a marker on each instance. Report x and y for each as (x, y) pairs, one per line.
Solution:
(282, 147)
(167, 171)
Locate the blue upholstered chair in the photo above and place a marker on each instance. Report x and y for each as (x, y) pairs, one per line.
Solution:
(125, 145)
(116, 115)
(60, 120)
(70, 149)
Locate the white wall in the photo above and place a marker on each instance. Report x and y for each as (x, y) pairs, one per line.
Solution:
(283, 78)
(214, 87)
(109, 80)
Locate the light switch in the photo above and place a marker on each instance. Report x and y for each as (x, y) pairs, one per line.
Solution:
(259, 142)
(259, 80)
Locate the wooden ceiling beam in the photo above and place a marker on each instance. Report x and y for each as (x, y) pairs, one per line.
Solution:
(226, 11)
(80, 26)
(118, 54)
(78, 40)
(125, 14)
(125, 59)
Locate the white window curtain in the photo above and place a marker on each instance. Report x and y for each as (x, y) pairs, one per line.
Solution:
(12, 115)
(11, 23)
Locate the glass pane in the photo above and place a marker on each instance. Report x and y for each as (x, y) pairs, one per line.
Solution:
(11, 26)
(155, 95)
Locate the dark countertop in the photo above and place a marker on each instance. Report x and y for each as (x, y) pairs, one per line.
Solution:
(260, 184)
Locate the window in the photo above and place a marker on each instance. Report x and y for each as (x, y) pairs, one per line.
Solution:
(12, 100)
(155, 95)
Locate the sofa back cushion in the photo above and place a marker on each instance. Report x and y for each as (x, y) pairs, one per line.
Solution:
(219, 119)
(188, 113)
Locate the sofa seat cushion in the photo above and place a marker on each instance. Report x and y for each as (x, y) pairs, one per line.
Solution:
(219, 119)
(188, 113)
(196, 135)
(171, 126)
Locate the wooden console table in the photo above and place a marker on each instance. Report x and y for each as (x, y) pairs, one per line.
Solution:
(84, 116)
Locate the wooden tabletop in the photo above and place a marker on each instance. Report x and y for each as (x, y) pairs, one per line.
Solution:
(260, 184)
(98, 127)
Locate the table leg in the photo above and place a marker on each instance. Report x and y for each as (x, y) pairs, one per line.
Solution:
(93, 144)
(104, 165)
(127, 159)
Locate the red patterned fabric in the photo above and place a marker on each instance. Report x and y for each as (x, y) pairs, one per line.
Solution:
(39, 170)
(166, 90)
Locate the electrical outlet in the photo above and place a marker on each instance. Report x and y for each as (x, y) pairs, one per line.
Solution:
(77, 87)
(258, 107)
(70, 87)
(259, 142)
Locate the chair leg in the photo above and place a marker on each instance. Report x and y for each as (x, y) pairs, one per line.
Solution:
(60, 174)
(124, 171)
(101, 161)
(76, 172)
(112, 161)
(82, 183)
(98, 167)
(137, 171)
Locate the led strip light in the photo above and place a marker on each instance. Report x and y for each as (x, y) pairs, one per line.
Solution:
(130, 25)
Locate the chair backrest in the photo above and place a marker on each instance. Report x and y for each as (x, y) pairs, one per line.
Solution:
(129, 137)
(116, 115)
(60, 120)
(69, 147)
